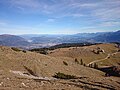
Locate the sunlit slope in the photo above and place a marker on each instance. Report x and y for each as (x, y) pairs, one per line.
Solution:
(15, 76)
(86, 53)
(42, 65)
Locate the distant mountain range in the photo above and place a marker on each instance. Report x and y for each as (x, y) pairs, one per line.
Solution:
(35, 40)
(102, 37)
(108, 37)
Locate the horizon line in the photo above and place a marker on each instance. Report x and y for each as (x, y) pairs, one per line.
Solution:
(57, 33)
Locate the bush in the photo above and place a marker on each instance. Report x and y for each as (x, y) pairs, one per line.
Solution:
(90, 65)
(76, 61)
(40, 50)
(64, 76)
(24, 51)
(84, 64)
(44, 52)
(95, 66)
(65, 63)
(30, 71)
(16, 49)
(81, 62)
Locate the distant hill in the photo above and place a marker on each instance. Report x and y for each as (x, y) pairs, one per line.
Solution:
(39, 40)
(12, 40)
(79, 38)
(108, 37)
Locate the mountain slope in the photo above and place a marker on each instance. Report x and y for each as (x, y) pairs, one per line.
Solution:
(36, 41)
(89, 53)
(108, 37)
(78, 38)
(12, 40)
(15, 68)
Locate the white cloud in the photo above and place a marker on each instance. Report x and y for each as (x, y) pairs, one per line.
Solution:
(99, 8)
(110, 24)
(50, 20)
(107, 10)
(26, 3)
(60, 7)
(83, 5)
(103, 10)
(107, 14)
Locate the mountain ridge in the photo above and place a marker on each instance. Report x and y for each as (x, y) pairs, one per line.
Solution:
(34, 41)
(12, 40)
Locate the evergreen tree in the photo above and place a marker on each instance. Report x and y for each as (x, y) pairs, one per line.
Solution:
(81, 62)
(76, 61)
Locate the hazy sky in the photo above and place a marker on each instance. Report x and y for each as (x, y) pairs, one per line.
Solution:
(58, 16)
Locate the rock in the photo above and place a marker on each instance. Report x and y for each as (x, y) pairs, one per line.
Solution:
(23, 84)
(1, 83)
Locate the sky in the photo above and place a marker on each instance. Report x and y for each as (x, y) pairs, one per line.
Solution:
(59, 16)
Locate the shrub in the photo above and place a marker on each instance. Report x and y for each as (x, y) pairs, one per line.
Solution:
(81, 62)
(30, 71)
(95, 66)
(96, 51)
(16, 49)
(43, 52)
(76, 61)
(65, 63)
(40, 50)
(64, 76)
(90, 65)
(84, 64)
(24, 51)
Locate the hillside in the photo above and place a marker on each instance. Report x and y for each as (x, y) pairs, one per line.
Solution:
(108, 37)
(88, 53)
(76, 38)
(12, 40)
(21, 69)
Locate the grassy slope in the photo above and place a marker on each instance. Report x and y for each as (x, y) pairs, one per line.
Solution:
(44, 65)
(85, 53)
(41, 64)
(113, 60)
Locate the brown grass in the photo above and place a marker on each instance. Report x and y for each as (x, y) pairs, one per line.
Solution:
(48, 65)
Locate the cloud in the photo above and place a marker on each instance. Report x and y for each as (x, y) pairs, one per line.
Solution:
(2, 23)
(25, 3)
(107, 10)
(103, 9)
(83, 5)
(94, 13)
(51, 7)
(108, 14)
(110, 24)
(51, 20)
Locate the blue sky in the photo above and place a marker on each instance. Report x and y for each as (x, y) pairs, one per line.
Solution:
(59, 16)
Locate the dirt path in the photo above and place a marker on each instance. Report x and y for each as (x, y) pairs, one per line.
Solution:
(108, 56)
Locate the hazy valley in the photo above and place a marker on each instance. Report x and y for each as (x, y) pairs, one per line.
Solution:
(39, 41)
